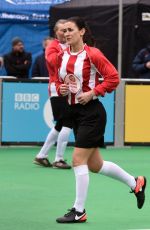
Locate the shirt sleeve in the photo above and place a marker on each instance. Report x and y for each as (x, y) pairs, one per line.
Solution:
(107, 71)
(53, 57)
(138, 64)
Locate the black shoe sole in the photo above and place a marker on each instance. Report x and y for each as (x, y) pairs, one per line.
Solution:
(73, 222)
(143, 201)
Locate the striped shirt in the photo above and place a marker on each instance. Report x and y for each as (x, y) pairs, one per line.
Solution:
(85, 73)
(80, 71)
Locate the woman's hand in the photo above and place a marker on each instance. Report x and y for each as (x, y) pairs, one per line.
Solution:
(148, 64)
(64, 89)
(84, 98)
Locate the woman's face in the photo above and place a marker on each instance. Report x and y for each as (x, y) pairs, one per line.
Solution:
(72, 33)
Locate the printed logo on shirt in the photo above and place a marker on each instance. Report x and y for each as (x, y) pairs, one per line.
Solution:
(73, 82)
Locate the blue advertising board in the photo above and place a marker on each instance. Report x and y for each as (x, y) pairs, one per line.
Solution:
(23, 115)
(108, 102)
(27, 114)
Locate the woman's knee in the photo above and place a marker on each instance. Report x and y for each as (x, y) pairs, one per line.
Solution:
(79, 159)
(95, 167)
(94, 170)
(76, 161)
(81, 156)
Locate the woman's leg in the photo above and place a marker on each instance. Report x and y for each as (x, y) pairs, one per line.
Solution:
(49, 142)
(97, 165)
(137, 185)
(80, 159)
(62, 141)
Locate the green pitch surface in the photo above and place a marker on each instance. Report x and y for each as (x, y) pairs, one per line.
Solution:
(32, 197)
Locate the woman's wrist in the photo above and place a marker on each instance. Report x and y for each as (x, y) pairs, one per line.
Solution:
(92, 93)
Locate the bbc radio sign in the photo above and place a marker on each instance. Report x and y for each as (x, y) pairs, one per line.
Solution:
(27, 101)
(26, 106)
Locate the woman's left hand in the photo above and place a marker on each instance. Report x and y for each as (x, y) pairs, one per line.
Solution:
(84, 98)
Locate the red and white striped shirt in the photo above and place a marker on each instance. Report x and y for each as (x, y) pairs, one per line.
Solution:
(86, 68)
(51, 54)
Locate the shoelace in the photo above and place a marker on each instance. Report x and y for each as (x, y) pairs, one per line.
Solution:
(71, 211)
(63, 162)
(139, 186)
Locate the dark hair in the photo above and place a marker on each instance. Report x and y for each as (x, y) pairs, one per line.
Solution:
(80, 23)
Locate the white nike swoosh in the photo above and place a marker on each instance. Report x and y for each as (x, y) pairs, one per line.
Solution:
(79, 217)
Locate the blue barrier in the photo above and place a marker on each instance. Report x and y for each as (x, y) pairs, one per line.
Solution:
(27, 114)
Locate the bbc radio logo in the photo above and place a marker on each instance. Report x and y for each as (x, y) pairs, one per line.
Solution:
(27, 101)
(27, 97)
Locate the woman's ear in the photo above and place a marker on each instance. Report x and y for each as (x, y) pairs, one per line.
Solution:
(82, 31)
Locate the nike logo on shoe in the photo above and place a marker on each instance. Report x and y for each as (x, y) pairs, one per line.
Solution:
(79, 217)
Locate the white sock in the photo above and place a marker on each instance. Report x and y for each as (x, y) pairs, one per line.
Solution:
(62, 143)
(49, 142)
(82, 182)
(112, 170)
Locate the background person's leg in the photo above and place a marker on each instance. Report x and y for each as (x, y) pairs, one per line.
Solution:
(60, 149)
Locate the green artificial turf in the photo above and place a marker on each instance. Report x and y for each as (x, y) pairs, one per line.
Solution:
(32, 197)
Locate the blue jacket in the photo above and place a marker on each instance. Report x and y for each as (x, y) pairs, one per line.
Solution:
(39, 67)
(139, 62)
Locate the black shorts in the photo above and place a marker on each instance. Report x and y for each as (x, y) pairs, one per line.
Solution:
(89, 123)
(61, 112)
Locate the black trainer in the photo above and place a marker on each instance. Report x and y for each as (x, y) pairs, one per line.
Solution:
(139, 190)
(61, 164)
(42, 162)
(73, 217)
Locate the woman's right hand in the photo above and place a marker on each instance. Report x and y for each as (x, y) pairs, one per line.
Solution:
(64, 89)
(148, 64)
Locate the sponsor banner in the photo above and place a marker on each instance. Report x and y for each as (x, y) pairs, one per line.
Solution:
(108, 102)
(27, 10)
(24, 17)
(35, 2)
(27, 113)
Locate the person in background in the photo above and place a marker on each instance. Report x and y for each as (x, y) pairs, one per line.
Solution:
(61, 132)
(88, 114)
(18, 62)
(141, 63)
(1, 62)
(39, 68)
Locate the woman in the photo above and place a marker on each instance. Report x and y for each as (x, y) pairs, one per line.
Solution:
(61, 132)
(87, 64)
